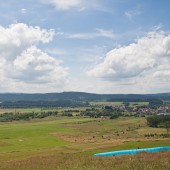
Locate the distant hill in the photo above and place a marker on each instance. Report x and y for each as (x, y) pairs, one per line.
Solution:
(81, 96)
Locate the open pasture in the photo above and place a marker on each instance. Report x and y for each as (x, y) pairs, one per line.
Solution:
(106, 103)
(131, 104)
(27, 144)
(21, 110)
(29, 110)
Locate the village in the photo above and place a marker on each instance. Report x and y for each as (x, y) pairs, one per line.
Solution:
(162, 110)
(137, 109)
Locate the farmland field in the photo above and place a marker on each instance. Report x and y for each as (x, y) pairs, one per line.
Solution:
(106, 103)
(118, 103)
(139, 103)
(24, 141)
(29, 110)
(22, 110)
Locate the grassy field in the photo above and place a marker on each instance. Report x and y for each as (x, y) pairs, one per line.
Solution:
(69, 143)
(23, 110)
(138, 104)
(70, 161)
(29, 110)
(118, 103)
(106, 103)
(167, 103)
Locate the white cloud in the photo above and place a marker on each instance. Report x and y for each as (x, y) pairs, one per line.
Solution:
(18, 37)
(23, 63)
(55, 51)
(105, 33)
(99, 33)
(35, 66)
(132, 13)
(79, 5)
(93, 54)
(23, 11)
(148, 57)
(164, 75)
(66, 4)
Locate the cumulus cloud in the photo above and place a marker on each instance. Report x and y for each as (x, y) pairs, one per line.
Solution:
(22, 62)
(164, 75)
(18, 37)
(149, 55)
(33, 65)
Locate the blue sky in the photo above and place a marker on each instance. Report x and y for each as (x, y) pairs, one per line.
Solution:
(100, 46)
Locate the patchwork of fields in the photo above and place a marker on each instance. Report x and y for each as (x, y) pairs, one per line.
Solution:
(68, 138)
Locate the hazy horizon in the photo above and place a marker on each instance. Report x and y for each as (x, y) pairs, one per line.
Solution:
(84, 92)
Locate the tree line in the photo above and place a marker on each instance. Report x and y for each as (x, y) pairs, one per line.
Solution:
(108, 111)
(158, 120)
(43, 104)
(9, 117)
(162, 121)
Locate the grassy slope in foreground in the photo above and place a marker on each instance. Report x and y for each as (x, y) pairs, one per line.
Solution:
(22, 142)
(33, 135)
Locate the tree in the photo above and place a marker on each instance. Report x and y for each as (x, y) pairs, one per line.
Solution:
(167, 126)
(159, 120)
(153, 121)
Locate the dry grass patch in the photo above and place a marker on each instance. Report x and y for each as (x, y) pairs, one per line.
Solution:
(142, 161)
(87, 138)
(150, 130)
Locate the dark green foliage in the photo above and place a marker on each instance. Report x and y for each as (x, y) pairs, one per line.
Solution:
(108, 107)
(67, 114)
(126, 104)
(155, 121)
(111, 113)
(154, 103)
(42, 104)
(114, 116)
(8, 117)
(80, 96)
(166, 124)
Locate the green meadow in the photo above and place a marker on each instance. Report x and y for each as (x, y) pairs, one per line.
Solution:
(22, 136)
(106, 103)
(29, 110)
(54, 141)
(22, 110)
(131, 104)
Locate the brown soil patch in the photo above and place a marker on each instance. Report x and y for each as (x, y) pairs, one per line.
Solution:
(87, 139)
(3, 144)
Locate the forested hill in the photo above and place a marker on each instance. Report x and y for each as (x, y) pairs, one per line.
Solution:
(80, 96)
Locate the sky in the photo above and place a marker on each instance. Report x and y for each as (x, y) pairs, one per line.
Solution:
(97, 46)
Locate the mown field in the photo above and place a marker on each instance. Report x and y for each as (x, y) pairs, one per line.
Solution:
(69, 143)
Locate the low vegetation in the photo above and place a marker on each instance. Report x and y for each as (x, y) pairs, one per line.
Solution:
(42, 103)
(8, 117)
(69, 143)
(142, 161)
(66, 138)
(158, 120)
